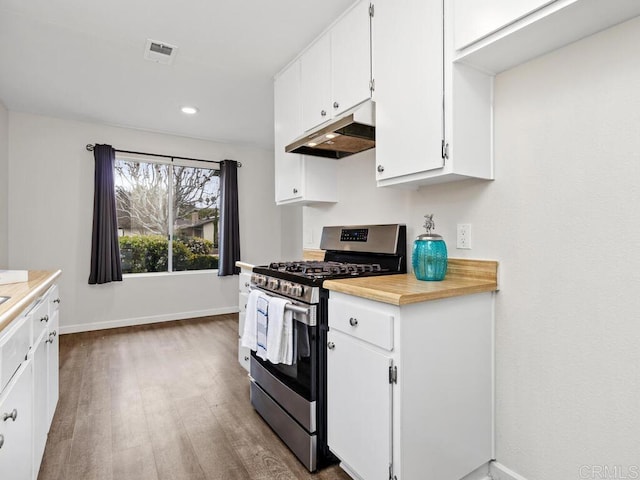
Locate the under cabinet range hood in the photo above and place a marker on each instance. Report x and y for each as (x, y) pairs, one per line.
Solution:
(352, 132)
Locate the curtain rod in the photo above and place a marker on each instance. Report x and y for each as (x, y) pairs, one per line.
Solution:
(90, 146)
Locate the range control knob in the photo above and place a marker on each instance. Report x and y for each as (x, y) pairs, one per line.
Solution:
(258, 279)
(273, 284)
(285, 287)
(296, 290)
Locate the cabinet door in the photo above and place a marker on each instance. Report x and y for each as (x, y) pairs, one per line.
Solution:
(315, 68)
(16, 461)
(53, 356)
(288, 126)
(359, 406)
(351, 59)
(408, 73)
(475, 19)
(40, 402)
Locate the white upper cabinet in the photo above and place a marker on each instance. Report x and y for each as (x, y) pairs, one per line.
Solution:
(495, 35)
(336, 69)
(298, 179)
(408, 73)
(287, 122)
(351, 59)
(475, 19)
(316, 83)
(433, 118)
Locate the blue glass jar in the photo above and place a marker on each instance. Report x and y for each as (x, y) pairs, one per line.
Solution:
(429, 258)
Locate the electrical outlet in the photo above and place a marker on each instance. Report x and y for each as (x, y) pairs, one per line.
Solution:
(464, 236)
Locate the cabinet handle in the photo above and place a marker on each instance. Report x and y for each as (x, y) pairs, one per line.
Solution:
(295, 190)
(380, 169)
(247, 284)
(13, 415)
(51, 335)
(331, 345)
(45, 318)
(57, 300)
(323, 113)
(1, 440)
(353, 321)
(336, 105)
(246, 359)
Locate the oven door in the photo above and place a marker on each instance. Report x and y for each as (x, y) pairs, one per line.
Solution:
(301, 376)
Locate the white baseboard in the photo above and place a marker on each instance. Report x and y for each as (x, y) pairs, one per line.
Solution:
(498, 471)
(129, 322)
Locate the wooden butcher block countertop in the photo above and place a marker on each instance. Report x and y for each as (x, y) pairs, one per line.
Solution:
(463, 277)
(23, 293)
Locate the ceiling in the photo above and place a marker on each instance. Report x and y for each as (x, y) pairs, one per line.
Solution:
(84, 60)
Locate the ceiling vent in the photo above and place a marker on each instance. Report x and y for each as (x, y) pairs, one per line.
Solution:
(160, 52)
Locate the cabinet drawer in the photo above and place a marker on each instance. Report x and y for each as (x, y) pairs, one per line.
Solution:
(14, 347)
(244, 281)
(367, 324)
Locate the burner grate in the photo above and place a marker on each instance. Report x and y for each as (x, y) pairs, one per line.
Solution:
(325, 269)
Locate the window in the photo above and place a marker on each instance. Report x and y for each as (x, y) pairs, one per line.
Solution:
(167, 215)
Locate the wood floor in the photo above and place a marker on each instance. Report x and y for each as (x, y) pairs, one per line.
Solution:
(162, 402)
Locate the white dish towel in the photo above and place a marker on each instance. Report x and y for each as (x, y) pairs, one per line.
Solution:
(250, 331)
(280, 332)
(262, 326)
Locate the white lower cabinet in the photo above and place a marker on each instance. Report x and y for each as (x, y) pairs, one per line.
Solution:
(53, 353)
(29, 399)
(16, 422)
(243, 295)
(409, 388)
(367, 377)
(40, 407)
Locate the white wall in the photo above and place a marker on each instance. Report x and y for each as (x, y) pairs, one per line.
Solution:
(50, 218)
(4, 183)
(359, 202)
(561, 217)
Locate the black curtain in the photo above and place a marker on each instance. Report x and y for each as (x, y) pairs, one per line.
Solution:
(105, 251)
(229, 235)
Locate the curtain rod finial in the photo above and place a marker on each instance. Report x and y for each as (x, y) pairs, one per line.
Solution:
(89, 147)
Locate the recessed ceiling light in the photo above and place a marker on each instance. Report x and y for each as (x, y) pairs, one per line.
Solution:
(189, 110)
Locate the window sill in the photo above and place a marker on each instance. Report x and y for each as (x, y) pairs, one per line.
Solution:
(168, 274)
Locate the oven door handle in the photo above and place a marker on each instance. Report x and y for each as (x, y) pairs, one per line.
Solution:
(308, 312)
(297, 309)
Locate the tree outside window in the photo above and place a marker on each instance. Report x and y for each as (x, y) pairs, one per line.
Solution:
(167, 215)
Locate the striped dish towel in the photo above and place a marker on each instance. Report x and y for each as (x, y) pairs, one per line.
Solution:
(262, 324)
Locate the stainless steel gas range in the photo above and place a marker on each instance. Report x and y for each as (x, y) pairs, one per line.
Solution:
(292, 398)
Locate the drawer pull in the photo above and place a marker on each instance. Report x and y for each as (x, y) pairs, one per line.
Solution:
(331, 345)
(246, 359)
(57, 300)
(13, 415)
(247, 284)
(353, 321)
(1, 440)
(45, 318)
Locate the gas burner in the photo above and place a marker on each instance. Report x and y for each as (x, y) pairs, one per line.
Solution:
(325, 269)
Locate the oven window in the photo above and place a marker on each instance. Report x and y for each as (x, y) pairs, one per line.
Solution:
(298, 376)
